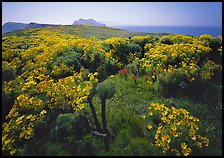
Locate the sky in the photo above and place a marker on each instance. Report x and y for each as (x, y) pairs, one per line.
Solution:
(116, 13)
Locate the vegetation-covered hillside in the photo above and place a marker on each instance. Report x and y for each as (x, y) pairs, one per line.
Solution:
(85, 90)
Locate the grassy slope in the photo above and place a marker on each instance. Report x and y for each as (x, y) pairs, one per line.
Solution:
(100, 32)
(132, 99)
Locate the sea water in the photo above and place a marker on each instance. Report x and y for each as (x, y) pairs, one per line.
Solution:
(214, 31)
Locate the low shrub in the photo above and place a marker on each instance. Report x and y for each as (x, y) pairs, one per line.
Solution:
(74, 124)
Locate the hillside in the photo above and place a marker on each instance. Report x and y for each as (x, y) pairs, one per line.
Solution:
(35, 25)
(99, 91)
(12, 26)
(99, 32)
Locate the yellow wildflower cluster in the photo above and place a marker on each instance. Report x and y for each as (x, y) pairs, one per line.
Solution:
(176, 125)
(71, 90)
(141, 37)
(178, 38)
(19, 127)
(183, 57)
(32, 55)
(208, 69)
(114, 41)
(114, 45)
(59, 70)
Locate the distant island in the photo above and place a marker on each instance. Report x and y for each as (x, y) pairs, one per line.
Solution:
(88, 22)
(15, 26)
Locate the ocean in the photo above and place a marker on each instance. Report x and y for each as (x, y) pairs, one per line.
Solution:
(186, 30)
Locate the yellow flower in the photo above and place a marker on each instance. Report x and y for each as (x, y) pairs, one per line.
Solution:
(143, 116)
(186, 151)
(183, 145)
(20, 120)
(43, 112)
(150, 113)
(13, 151)
(170, 117)
(149, 126)
(194, 137)
(173, 128)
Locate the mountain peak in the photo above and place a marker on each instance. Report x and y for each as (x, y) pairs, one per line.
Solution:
(88, 22)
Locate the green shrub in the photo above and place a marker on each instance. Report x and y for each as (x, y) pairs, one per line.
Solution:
(141, 147)
(105, 90)
(71, 59)
(126, 121)
(92, 60)
(106, 69)
(122, 51)
(126, 144)
(141, 42)
(87, 147)
(120, 143)
(7, 103)
(54, 149)
(8, 73)
(172, 85)
(71, 124)
(166, 41)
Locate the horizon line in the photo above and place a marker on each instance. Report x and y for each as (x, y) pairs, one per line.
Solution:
(123, 25)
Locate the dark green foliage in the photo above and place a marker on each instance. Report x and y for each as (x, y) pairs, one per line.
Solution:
(93, 61)
(135, 68)
(87, 147)
(215, 44)
(127, 145)
(85, 74)
(166, 41)
(215, 55)
(7, 103)
(110, 67)
(122, 51)
(140, 42)
(107, 46)
(105, 90)
(8, 73)
(132, 47)
(120, 143)
(132, 124)
(54, 149)
(141, 147)
(71, 59)
(70, 124)
(106, 69)
(200, 90)
(155, 38)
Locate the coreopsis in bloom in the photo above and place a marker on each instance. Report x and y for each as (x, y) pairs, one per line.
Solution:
(177, 130)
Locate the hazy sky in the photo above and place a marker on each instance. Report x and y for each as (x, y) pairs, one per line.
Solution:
(116, 13)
